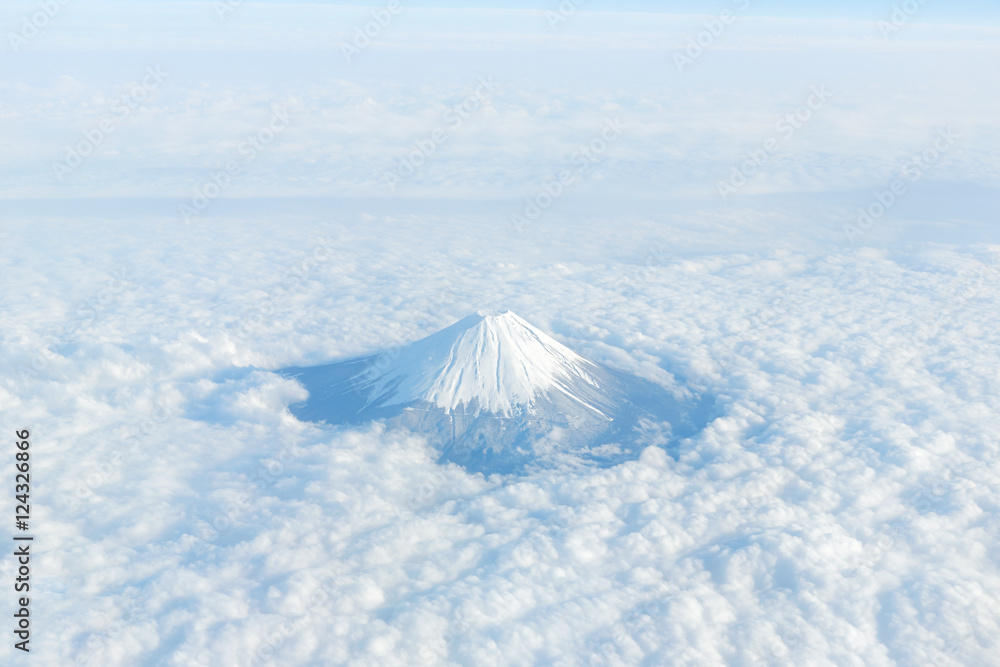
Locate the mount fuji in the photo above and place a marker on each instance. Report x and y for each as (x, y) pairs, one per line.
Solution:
(495, 394)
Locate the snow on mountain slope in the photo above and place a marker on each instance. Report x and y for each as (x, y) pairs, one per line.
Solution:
(496, 394)
(494, 361)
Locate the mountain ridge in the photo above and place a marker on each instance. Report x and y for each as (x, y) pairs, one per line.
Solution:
(495, 394)
(493, 358)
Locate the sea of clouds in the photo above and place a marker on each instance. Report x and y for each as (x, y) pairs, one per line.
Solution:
(840, 511)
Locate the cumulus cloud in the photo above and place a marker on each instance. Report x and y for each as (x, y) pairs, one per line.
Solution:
(839, 510)
(353, 122)
(836, 512)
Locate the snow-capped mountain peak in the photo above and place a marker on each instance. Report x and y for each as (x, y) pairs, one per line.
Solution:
(496, 394)
(492, 361)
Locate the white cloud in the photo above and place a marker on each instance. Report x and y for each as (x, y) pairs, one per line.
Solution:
(837, 511)
(352, 122)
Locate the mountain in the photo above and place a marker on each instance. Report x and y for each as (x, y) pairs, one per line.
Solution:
(495, 394)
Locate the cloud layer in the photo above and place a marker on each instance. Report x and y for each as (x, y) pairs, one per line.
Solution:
(354, 120)
(838, 296)
(837, 513)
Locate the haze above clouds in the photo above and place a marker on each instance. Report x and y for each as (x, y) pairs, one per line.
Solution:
(840, 511)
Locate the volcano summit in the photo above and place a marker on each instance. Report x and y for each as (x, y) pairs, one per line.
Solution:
(495, 394)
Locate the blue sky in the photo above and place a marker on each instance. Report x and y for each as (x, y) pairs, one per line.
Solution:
(976, 13)
(930, 11)
(980, 12)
